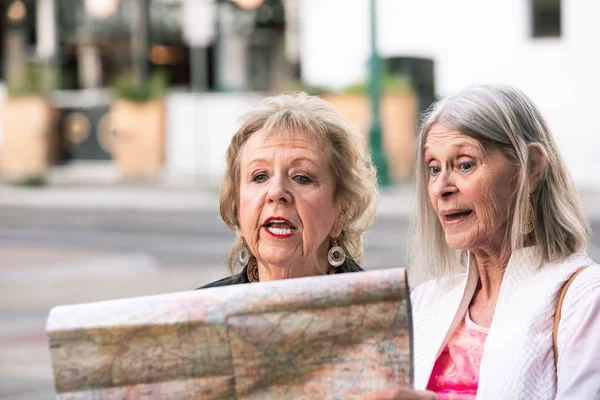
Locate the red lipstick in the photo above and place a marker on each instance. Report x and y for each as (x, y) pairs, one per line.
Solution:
(279, 227)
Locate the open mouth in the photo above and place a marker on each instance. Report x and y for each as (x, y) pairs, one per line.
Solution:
(279, 227)
(456, 216)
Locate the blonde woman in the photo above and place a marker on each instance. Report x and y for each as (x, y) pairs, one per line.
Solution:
(299, 191)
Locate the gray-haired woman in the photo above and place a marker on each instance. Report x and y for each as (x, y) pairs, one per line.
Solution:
(299, 190)
(499, 232)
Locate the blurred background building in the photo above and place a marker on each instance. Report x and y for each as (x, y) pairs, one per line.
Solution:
(110, 91)
(548, 48)
(154, 87)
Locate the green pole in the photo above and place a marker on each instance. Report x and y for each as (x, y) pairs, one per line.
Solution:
(375, 132)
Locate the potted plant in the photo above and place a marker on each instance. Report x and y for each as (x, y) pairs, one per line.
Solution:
(137, 120)
(398, 112)
(30, 140)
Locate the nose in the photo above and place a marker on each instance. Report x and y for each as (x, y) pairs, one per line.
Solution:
(279, 190)
(444, 185)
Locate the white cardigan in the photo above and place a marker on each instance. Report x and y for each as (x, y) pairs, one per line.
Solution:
(518, 359)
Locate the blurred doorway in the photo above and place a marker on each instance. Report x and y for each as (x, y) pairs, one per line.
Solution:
(85, 132)
(421, 72)
(266, 48)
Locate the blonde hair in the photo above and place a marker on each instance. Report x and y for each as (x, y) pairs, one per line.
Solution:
(504, 117)
(354, 174)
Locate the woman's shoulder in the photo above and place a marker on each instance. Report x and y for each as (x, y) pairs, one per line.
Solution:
(236, 279)
(437, 291)
(584, 288)
(348, 266)
(444, 283)
(578, 332)
(242, 277)
(587, 278)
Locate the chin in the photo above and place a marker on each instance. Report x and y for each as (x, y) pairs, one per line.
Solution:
(457, 244)
(280, 261)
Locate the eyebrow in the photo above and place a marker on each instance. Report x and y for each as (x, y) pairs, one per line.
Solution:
(295, 162)
(458, 145)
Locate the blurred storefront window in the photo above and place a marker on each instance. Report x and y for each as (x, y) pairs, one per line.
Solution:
(267, 46)
(92, 42)
(167, 48)
(545, 18)
(250, 45)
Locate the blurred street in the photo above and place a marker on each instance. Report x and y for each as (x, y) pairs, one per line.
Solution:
(100, 248)
(94, 249)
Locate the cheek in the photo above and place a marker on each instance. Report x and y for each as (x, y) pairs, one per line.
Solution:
(249, 211)
(488, 202)
(502, 204)
(318, 214)
(497, 190)
(432, 197)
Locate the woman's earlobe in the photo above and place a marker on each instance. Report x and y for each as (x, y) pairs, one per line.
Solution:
(338, 226)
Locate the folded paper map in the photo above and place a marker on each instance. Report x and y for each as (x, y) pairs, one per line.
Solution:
(327, 337)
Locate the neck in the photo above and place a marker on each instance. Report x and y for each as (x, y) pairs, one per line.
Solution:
(491, 267)
(271, 272)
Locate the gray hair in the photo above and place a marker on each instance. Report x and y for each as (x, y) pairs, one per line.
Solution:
(503, 117)
(354, 174)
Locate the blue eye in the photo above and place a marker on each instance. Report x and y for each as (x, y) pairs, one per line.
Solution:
(466, 166)
(259, 178)
(302, 179)
(434, 170)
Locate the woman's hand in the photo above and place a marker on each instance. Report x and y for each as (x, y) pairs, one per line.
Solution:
(401, 393)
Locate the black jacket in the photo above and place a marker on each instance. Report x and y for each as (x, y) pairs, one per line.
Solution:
(348, 266)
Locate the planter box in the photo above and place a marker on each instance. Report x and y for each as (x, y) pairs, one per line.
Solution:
(398, 120)
(138, 137)
(30, 140)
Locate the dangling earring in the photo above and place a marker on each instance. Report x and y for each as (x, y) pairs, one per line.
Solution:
(336, 255)
(526, 224)
(244, 254)
(252, 272)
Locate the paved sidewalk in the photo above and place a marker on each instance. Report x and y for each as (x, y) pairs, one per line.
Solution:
(35, 279)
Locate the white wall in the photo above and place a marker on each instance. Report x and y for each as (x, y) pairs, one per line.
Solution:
(199, 128)
(473, 41)
(333, 41)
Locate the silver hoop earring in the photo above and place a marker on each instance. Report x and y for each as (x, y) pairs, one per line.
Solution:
(244, 255)
(336, 255)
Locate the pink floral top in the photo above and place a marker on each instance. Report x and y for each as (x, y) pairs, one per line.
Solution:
(455, 374)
